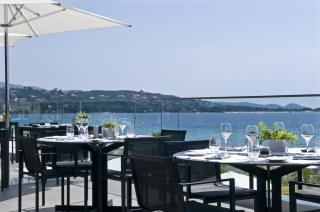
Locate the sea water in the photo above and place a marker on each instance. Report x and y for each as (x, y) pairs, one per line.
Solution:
(198, 125)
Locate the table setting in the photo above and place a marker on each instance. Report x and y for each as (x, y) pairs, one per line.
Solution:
(266, 156)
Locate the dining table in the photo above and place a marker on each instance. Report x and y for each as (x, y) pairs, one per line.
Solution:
(265, 168)
(99, 165)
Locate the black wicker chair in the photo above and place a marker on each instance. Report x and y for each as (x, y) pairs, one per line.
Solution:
(193, 171)
(218, 192)
(157, 188)
(36, 168)
(199, 171)
(176, 135)
(146, 145)
(310, 194)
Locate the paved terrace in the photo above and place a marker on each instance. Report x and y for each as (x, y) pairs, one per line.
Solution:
(9, 197)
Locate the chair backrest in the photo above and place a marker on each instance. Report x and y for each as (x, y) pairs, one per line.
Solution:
(155, 180)
(198, 170)
(176, 135)
(142, 145)
(30, 155)
(38, 132)
(145, 145)
(172, 147)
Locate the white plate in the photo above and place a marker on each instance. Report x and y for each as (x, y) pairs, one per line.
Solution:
(278, 159)
(197, 152)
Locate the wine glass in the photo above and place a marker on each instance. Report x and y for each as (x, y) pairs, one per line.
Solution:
(307, 133)
(225, 130)
(78, 123)
(251, 132)
(122, 124)
(130, 131)
(84, 128)
(280, 125)
(214, 144)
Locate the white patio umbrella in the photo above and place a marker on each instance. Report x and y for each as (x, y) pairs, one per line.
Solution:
(13, 38)
(21, 18)
(28, 18)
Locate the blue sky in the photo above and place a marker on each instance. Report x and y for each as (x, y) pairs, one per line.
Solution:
(186, 48)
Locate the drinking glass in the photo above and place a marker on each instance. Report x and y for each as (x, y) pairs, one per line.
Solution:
(307, 133)
(70, 131)
(84, 128)
(214, 144)
(122, 124)
(130, 131)
(225, 130)
(253, 149)
(78, 123)
(280, 125)
(251, 132)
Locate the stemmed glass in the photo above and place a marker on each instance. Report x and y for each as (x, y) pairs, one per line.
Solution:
(84, 128)
(122, 124)
(225, 130)
(251, 132)
(307, 132)
(78, 123)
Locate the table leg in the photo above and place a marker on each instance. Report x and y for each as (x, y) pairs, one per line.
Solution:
(261, 195)
(261, 175)
(276, 194)
(94, 176)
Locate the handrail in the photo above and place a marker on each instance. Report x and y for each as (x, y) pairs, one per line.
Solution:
(190, 98)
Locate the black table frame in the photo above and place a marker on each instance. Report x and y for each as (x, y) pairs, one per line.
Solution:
(264, 174)
(99, 185)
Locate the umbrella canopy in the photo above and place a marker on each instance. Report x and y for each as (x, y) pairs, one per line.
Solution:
(23, 18)
(44, 17)
(13, 38)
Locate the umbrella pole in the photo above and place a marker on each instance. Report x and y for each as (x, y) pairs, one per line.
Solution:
(6, 63)
(5, 136)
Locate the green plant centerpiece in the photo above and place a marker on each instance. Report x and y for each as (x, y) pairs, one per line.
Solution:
(110, 129)
(82, 115)
(276, 139)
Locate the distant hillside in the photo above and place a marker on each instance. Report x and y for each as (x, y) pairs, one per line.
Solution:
(35, 99)
(19, 86)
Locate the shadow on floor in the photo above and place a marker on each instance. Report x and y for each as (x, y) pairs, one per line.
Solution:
(29, 188)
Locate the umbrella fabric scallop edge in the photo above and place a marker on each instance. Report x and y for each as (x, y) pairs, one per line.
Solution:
(20, 19)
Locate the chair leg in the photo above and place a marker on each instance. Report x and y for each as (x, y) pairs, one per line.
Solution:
(62, 191)
(255, 204)
(37, 193)
(43, 186)
(123, 195)
(292, 198)
(251, 181)
(68, 192)
(129, 194)
(20, 183)
(86, 194)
